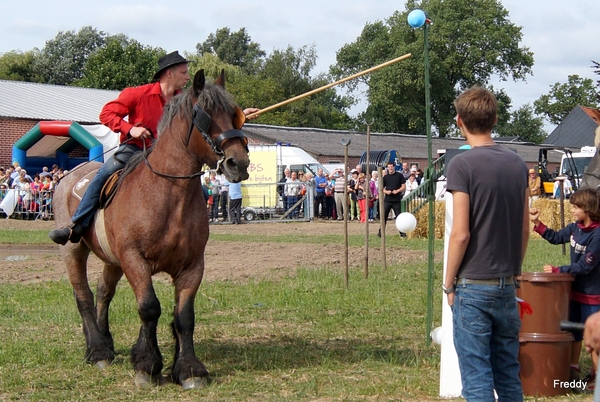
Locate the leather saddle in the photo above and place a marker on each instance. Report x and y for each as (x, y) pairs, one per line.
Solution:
(108, 190)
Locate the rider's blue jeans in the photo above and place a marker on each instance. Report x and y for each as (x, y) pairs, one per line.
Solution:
(91, 199)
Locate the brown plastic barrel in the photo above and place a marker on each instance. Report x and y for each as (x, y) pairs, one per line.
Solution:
(548, 294)
(544, 360)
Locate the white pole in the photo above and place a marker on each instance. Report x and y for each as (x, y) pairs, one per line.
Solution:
(450, 380)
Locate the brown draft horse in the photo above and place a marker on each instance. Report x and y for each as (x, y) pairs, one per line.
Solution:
(157, 222)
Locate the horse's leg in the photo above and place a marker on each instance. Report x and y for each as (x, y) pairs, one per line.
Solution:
(145, 354)
(98, 347)
(187, 369)
(105, 292)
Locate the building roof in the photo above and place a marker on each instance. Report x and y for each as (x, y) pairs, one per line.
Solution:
(577, 129)
(322, 142)
(27, 100)
(41, 102)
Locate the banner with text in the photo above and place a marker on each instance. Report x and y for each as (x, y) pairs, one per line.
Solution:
(258, 190)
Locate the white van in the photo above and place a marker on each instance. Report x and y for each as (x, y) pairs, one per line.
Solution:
(294, 158)
(574, 164)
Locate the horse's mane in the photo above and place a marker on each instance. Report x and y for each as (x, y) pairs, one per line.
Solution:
(213, 99)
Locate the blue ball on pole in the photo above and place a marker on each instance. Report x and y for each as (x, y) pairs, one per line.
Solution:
(416, 18)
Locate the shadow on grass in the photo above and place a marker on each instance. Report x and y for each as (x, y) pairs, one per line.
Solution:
(288, 353)
(294, 353)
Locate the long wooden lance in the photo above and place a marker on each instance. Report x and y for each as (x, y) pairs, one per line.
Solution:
(324, 87)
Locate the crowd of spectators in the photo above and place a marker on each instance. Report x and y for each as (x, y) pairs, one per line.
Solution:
(328, 201)
(324, 192)
(32, 195)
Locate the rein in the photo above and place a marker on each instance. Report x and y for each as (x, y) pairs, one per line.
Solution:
(201, 121)
(168, 176)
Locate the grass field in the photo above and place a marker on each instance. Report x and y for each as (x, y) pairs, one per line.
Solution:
(301, 338)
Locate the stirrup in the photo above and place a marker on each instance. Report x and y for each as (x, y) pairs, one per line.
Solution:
(76, 232)
(65, 234)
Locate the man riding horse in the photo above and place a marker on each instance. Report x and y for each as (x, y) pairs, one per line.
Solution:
(143, 107)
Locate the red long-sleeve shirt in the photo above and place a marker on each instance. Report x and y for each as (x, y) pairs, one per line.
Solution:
(143, 107)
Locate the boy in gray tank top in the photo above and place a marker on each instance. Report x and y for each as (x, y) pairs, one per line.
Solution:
(489, 235)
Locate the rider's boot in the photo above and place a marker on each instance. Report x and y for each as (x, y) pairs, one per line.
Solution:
(71, 233)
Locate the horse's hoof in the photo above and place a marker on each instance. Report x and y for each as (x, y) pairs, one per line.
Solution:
(102, 364)
(194, 383)
(143, 380)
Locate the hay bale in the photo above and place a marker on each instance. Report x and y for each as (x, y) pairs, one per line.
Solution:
(422, 216)
(549, 214)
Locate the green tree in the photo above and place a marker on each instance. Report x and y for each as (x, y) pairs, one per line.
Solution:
(18, 66)
(525, 124)
(257, 80)
(291, 68)
(284, 75)
(235, 48)
(212, 66)
(121, 63)
(504, 104)
(469, 42)
(63, 58)
(562, 98)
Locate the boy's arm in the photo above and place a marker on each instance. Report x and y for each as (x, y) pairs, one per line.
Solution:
(459, 238)
(588, 262)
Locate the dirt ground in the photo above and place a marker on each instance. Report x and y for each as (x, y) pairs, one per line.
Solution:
(232, 261)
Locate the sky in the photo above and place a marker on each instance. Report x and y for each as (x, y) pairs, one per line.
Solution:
(562, 35)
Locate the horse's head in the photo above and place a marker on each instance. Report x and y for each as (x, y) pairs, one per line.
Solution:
(218, 118)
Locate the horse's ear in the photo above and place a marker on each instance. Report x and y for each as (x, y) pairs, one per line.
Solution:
(220, 81)
(199, 81)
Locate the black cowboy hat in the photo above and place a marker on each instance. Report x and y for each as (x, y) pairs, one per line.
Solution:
(167, 61)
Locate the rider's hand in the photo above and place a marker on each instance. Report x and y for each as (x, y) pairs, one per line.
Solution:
(139, 132)
(249, 111)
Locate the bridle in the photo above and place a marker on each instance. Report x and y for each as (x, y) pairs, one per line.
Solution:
(201, 121)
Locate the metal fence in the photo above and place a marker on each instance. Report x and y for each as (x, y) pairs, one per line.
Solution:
(419, 197)
(26, 204)
(260, 201)
(269, 201)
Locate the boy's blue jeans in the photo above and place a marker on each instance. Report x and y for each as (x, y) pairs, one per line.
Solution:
(486, 337)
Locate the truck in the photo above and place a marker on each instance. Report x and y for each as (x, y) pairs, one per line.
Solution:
(572, 165)
(261, 199)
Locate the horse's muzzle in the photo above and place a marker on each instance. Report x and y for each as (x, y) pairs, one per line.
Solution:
(235, 170)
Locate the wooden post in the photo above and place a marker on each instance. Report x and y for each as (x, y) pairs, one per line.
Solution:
(561, 180)
(382, 218)
(345, 143)
(367, 193)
